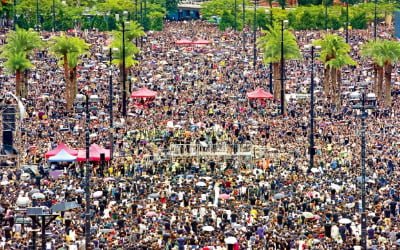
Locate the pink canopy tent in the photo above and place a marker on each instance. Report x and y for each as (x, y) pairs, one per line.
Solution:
(183, 41)
(143, 93)
(94, 153)
(259, 94)
(201, 41)
(60, 147)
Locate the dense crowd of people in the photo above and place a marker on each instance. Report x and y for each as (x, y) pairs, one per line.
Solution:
(145, 198)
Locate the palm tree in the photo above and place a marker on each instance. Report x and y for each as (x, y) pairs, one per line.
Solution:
(270, 45)
(133, 31)
(21, 41)
(335, 54)
(17, 63)
(335, 66)
(384, 55)
(69, 49)
(372, 49)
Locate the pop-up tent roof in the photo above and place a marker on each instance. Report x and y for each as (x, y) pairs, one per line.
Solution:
(201, 41)
(183, 41)
(94, 153)
(62, 156)
(144, 93)
(60, 147)
(259, 94)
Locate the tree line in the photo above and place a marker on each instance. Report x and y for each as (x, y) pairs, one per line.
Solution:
(21, 43)
(334, 54)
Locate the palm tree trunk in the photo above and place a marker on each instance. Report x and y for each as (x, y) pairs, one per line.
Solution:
(338, 86)
(277, 87)
(23, 83)
(379, 85)
(67, 84)
(375, 67)
(18, 83)
(388, 79)
(333, 85)
(326, 81)
(72, 80)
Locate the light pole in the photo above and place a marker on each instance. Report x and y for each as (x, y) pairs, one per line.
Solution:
(347, 21)
(124, 112)
(243, 24)
(15, 14)
(87, 173)
(111, 106)
(136, 11)
(37, 16)
(235, 15)
(375, 20)
(54, 16)
(326, 14)
(270, 64)
(255, 35)
(363, 143)
(311, 150)
(283, 22)
(111, 97)
(146, 28)
(363, 115)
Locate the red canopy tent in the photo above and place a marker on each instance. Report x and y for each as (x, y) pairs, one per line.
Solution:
(94, 153)
(259, 94)
(201, 41)
(183, 41)
(60, 147)
(143, 93)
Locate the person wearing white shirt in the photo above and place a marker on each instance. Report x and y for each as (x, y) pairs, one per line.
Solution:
(194, 212)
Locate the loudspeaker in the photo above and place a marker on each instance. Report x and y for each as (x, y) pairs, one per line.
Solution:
(102, 157)
(9, 118)
(7, 138)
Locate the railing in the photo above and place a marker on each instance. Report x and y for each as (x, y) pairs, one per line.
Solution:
(204, 149)
(222, 149)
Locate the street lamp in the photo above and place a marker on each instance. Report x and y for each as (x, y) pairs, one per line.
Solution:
(235, 15)
(243, 24)
(15, 14)
(375, 20)
(270, 64)
(146, 28)
(347, 21)
(85, 95)
(363, 114)
(283, 22)
(54, 16)
(255, 35)
(87, 174)
(124, 111)
(311, 150)
(326, 14)
(111, 98)
(37, 16)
